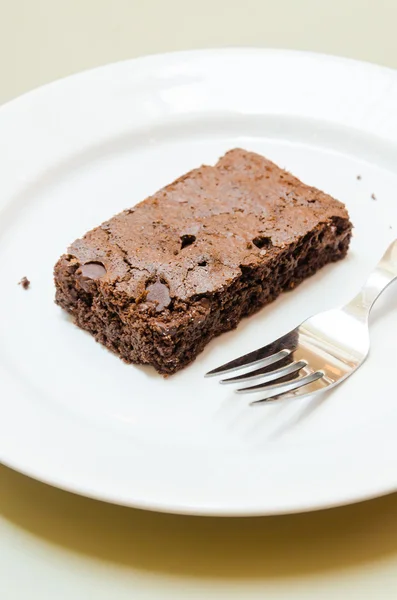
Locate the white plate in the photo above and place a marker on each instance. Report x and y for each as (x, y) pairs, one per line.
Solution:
(75, 152)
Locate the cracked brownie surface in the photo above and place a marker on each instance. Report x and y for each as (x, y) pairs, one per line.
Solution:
(156, 282)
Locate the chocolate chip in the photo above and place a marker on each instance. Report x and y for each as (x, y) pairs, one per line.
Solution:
(262, 241)
(93, 270)
(187, 240)
(158, 292)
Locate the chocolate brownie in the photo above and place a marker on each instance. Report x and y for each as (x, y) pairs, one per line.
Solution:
(158, 281)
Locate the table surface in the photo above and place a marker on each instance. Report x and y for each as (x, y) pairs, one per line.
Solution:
(57, 545)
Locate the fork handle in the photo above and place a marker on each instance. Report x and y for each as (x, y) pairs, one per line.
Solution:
(383, 275)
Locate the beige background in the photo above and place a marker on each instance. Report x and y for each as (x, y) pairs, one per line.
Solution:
(56, 545)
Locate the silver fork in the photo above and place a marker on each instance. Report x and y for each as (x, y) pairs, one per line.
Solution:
(320, 353)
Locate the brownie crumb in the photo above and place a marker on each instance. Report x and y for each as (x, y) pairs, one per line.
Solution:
(25, 283)
(373, 197)
(359, 177)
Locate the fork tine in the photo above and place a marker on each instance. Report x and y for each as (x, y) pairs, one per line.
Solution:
(249, 361)
(263, 356)
(259, 373)
(304, 386)
(273, 376)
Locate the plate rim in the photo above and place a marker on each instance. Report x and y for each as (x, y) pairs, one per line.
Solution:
(155, 56)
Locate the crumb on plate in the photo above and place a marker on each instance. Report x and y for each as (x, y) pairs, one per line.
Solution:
(25, 283)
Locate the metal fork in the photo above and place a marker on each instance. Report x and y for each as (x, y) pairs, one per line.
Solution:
(320, 353)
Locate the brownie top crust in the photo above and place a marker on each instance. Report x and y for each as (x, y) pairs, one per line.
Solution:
(192, 237)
